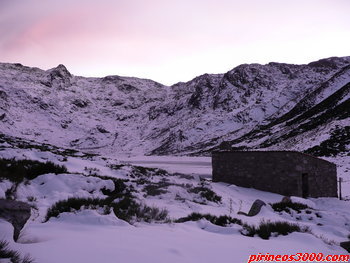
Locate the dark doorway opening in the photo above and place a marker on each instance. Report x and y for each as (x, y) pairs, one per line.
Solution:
(305, 185)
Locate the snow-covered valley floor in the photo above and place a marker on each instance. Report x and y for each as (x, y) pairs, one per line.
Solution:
(96, 235)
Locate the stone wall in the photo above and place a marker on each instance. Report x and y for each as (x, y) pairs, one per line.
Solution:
(276, 171)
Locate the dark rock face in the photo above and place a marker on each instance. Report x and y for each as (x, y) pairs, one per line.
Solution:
(256, 207)
(345, 245)
(3, 95)
(101, 129)
(59, 77)
(15, 212)
(80, 103)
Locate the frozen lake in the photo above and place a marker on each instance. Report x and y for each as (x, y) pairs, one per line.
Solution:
(174, 164)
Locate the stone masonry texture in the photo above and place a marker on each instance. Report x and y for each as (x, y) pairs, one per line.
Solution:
(284, 172)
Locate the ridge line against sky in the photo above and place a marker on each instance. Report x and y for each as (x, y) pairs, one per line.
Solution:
(170, 41)
(180, 81)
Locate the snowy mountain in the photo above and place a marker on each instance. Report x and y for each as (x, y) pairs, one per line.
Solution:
(63, 141)
(277, 105)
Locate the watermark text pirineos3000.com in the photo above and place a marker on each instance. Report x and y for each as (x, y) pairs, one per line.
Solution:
(298, 257)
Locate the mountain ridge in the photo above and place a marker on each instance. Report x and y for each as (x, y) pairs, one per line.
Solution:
(126, 115)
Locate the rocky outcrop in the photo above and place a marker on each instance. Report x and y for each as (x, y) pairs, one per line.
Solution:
(255, 208)
(250, 106)
(15, 212)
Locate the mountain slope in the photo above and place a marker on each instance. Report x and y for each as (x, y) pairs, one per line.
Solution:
(254, 106)
(310, 119)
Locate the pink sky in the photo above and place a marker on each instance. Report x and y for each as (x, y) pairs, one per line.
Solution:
(170, 40)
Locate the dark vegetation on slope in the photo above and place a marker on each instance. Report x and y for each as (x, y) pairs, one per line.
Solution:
(265, 229)
(139, 171)
(12, 255)
(206, 193)
(303, 109)
(143, 175)
(327, 110)
(126, 209)
(287, 206)
(338, 143)
(18, 170)
(325, 105)
(120, 201)
(216, 220)
(338, 112)
(73, 203)
(298, 121)
(20, 143)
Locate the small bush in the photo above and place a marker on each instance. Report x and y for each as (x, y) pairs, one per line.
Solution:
(14, 256)
(220, 221)
(140, 171)
(206, 193)
(154, 189)
(129, 210)
(266, 228)
(318, 215)
(150, 214)
(73, 203)
(120, 188)
(18, 170)
(286, 206)
(126, 208)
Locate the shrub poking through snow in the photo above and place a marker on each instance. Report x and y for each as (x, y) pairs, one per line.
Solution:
(286, 206)
(13, 256)
(129, 210)
(126, 208)
(120, 200)
(216, 220)
(140, 171)
(73, 203)
(206, 193)
(160, 187)
(120, 188)
(157, 188)
(264, 230)
(18, 170)
(154, 189)
(267, 228)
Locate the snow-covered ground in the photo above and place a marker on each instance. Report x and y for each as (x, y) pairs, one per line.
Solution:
(94, 236)
(70, 240)
(174, 164)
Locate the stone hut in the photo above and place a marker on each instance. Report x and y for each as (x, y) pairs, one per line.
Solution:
(283, 172)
